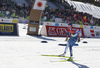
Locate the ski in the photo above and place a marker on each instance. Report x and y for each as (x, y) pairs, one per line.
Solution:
(55, 56)
(63, 60)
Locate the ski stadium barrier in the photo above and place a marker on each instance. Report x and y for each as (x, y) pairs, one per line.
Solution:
(23, 21)
(92, 31)
(9, 20)
(14, 20)
(56, 29)
(8, 29)
(59, 29)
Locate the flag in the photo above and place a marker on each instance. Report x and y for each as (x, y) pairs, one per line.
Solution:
(96, 0)
(84, 18)
(46, 5)
(39, 5)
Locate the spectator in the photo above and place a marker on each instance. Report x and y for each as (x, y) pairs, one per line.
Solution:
(91, 22)
(68, 16)
(98, 22)
(53, 18)
(80, 22)
(0, 5)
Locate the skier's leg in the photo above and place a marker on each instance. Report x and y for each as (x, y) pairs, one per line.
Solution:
(66, 48)
(71, 53)
(71, 50)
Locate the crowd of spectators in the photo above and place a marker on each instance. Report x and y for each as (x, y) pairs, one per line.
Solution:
(2, 7)
(70, 16)
(13, 7)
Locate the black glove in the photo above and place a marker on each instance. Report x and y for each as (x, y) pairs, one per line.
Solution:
(78, 40)
(66, 39)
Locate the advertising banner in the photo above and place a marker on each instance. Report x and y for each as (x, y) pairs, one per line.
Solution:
(8, 20)
(8, 29)
(92, 32)
(59, 31)
(58, 20)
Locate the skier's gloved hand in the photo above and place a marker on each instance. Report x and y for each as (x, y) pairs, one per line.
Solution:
(78, 40)
(66, 39)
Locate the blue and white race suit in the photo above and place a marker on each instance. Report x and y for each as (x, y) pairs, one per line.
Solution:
(72, 40)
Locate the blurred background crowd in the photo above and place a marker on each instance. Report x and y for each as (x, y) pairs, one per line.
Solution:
(68, 14)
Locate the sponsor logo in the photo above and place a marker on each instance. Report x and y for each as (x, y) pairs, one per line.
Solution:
(92, 33)
(6, 28)
(97, 33)
(5, 20)
(39, 4)
(34, 22)
(59, 31)
(2, 20)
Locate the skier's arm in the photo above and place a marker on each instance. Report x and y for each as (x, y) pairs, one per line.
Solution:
(67, 36)
(79, 36)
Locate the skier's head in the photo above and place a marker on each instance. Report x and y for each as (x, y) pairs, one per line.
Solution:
(70, 25)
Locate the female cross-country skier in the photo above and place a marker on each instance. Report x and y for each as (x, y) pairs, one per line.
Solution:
(75, 35)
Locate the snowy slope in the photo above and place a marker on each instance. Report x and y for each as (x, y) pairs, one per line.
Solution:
(24, 51)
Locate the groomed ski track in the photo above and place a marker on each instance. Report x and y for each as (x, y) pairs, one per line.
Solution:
(24, 51)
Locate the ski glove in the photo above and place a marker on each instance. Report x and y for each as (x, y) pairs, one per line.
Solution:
(78, 40)
(66, 39)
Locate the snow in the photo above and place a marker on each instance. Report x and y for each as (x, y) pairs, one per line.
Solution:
(24, 51)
